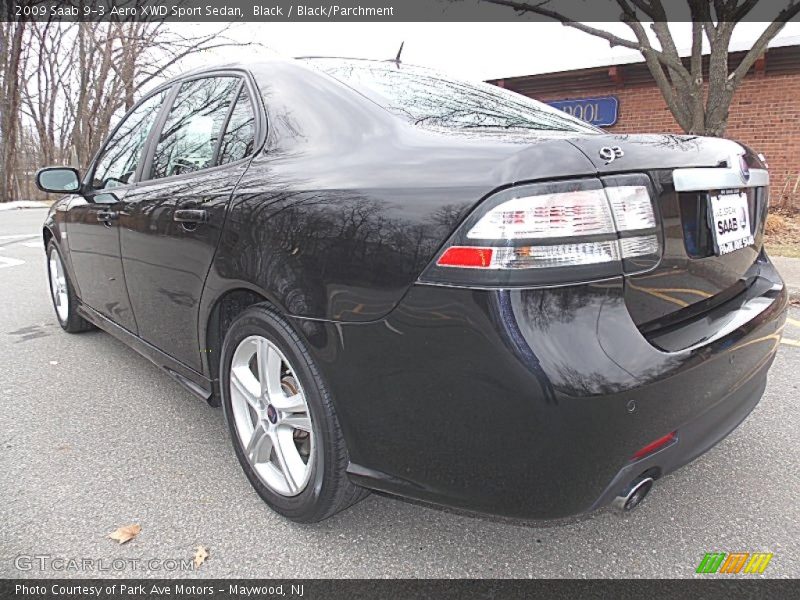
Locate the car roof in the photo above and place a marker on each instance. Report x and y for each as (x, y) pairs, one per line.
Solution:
(259, 63)
(267, 61)
(239, 64)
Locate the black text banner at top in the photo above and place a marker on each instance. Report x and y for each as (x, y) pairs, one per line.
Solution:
(364, 11)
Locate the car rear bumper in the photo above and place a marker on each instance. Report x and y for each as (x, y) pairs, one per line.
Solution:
(531, 403)
(692, 438)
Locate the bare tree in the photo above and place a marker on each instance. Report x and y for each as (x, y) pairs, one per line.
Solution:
(12, 34)
(699, 106)
(47, 78)
(62, 85)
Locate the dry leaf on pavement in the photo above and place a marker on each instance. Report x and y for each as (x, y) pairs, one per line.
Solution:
(126, 533)
(200, 556)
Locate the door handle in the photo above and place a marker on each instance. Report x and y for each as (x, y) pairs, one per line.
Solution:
(107, 215)
(190, 215)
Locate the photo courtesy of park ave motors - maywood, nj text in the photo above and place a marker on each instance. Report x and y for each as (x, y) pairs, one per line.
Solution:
(427, 299)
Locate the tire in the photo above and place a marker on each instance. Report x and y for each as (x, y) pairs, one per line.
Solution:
(62, 293)
(279, 411)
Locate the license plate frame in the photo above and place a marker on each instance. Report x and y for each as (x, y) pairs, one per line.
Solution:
(729, 221)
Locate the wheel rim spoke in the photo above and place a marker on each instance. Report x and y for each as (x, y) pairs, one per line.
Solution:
(58, 286)
(287, 459)
(297, 421)
(259, 446)
(269, 368)
(290, 404)
(53, 274)
(248, 391)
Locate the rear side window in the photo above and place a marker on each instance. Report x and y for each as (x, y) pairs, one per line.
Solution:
(189, 138)
(123, 151)
(239, 137)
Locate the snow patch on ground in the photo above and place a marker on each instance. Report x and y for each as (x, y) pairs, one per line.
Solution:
(22, 204)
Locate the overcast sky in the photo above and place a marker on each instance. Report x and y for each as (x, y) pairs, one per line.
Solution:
(469, 50)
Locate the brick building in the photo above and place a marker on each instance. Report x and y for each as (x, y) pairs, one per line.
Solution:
(764, 114)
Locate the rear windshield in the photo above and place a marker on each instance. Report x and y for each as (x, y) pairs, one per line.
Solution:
(428, 98)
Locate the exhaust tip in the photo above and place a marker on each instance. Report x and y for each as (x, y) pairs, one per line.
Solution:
(634, 494)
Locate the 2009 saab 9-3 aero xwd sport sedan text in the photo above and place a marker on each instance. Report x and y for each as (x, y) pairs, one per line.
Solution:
(395, 280)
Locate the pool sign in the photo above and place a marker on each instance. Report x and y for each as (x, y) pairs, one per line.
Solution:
(597, 111)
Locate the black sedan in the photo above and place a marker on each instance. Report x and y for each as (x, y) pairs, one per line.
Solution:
(395, 280)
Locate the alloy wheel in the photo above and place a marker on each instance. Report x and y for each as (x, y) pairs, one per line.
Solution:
(271, 416)
(58, 285)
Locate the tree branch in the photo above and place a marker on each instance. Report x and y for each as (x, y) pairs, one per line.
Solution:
(613, 40)
(760, 45)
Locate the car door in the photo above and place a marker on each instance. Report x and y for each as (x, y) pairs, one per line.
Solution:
(173, 219)
(92, 219)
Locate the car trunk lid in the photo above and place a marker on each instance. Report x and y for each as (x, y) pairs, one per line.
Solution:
(688, 173)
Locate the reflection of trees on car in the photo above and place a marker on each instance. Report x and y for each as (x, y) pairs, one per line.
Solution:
(425, 98)
(122, 153)
(237, 142)
(192, 129)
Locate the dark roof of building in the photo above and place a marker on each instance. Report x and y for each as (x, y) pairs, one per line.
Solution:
(777, 60)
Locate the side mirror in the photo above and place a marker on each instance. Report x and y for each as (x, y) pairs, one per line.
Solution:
(58, 179)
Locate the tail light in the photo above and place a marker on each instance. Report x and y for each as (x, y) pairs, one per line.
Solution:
(554, 233)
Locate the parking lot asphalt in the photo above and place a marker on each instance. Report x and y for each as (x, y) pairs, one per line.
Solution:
(94, 437)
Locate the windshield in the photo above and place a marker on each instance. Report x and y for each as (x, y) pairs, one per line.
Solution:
(428, 98)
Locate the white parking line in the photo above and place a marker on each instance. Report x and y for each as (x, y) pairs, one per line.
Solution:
(10, 262)
(15, 262)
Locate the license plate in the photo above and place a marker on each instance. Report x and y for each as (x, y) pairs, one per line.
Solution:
(729, 219)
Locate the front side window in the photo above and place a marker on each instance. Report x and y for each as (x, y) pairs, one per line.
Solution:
(123, 151)
(193, 126)
(239, 137)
